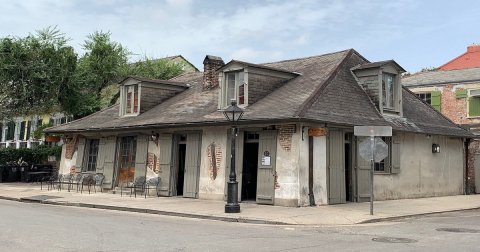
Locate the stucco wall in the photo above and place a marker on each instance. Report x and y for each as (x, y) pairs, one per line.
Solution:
(210, 188)
(423, 173)
(65, 163)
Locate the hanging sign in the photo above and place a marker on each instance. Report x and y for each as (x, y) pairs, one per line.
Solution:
(317, 132)
(265, 160)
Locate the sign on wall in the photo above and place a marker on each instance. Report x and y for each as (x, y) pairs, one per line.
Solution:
(315, 132)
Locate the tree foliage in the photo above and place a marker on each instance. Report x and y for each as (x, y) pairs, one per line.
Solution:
(34, 72)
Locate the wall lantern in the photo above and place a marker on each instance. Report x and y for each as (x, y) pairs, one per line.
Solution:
(435, 148)
(154, 137)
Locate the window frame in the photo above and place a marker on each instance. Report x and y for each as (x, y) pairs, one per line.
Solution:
(240, 83)
(91, 159)
(391, 96)
(387, 162)
(131, 103)
(425, 98)
(469, 100)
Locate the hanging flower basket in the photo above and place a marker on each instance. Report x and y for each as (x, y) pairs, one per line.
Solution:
(52, 139)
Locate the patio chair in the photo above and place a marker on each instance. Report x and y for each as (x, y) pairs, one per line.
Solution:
(77, 181)
(65, 179)
(50, 181)
(88, 180)
(139, 183)
(152, 183)
(98, 182)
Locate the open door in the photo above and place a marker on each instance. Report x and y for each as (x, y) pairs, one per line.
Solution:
(267, 155)
(363, 176)
(336, 168)
(165, 159)
(192, 165)
(106, 159)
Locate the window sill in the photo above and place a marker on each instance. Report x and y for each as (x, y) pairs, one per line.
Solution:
(382, 173)
(130, 115)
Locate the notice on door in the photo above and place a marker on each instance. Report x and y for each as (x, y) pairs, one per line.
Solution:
(265, 160)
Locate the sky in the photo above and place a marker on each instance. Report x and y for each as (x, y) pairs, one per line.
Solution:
(415, 33)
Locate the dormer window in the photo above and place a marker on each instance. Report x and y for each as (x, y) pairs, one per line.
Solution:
(235, 88)
(388, 90)
(131, 99)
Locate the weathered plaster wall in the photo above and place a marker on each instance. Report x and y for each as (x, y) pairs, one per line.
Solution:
(212, 187)
(423, 173)
(320, 170)
(287, 188)
(65, 163)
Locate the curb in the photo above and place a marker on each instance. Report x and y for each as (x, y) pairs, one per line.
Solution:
(148, 211)
(393, 218)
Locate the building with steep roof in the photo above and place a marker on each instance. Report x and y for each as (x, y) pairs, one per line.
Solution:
(295, 143)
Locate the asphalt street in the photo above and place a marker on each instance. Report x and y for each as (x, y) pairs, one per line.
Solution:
(37, 227)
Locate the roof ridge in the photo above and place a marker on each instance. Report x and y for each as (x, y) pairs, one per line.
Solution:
(307, 57)
(80, 119)
(316, 93)
(452, 60)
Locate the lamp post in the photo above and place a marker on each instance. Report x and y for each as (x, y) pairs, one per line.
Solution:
(233, 113)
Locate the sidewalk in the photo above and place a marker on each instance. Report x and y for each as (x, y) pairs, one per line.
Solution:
(343, 214)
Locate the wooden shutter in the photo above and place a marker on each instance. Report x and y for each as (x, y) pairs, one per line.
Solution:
(460, 93)
(363, 168)
(80, 154)
(473, 106)
(165, 144)
(192, 165)
(141, 156)
(395, 152)
(266, 172)
(106, 159)
(436, 101)
(336, 168)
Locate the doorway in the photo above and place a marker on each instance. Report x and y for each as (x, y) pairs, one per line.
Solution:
(126, 160)
(348, 167)
(180, 169)
(250, 167)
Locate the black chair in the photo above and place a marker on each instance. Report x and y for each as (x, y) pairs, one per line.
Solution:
(99, 178)
(138, 184)
(65, 179)
(152, 183)
(50, 181)
(77, 180)
(89, 181)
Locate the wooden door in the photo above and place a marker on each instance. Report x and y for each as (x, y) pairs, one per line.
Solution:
(126, 163)
(192, 165)
(165, 144)
(336, 168)
(141, 156)
(363, 168)
(267, 155)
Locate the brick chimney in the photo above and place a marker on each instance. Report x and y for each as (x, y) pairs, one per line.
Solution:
(210, 76)
(473, 48)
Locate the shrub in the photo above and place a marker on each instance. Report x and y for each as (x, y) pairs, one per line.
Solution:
(36, 155)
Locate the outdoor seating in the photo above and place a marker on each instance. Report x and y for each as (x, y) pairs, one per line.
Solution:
(76, 181)
(151, 184)
(99, 178)
(87, 180)
(65, 179)
(50, 181)
(138, 184)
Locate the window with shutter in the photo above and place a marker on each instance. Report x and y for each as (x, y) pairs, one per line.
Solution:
(436, 100)
(234, 88)
(473, 106)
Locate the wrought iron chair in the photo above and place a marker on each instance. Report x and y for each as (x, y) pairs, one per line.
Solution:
(50, 181)
(77, 180)
(65, 179)
(98, 182)
(89, 181)
(152, 183)
(138, 184)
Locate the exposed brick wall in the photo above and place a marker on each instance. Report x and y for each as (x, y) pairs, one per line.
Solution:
(153, 163)
(455, 109)
(210, 75)
(70, 147)
(151, 97)
(473, 148)
(285, 136)
(214, 160)
(261, 85)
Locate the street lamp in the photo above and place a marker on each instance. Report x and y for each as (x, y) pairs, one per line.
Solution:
(233, 113)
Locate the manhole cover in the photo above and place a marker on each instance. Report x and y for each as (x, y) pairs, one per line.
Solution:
(393, 240)
(459, 230)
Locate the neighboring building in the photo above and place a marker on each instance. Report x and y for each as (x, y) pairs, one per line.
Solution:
(470, 59)
(187, 66)
(454, 89)
(295, 144)
(18, 132)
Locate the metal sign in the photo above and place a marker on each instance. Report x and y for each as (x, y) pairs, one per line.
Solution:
(367, 153)
(317, 132)
(372, 131)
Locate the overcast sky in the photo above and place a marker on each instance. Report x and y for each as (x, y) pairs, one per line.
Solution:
(415, 33)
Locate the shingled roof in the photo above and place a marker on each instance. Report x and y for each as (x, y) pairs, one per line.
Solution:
(324, 91)
(442, 77)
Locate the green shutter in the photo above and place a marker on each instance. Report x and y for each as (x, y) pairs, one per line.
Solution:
(473, 106)
(436, 100)
(460, 93)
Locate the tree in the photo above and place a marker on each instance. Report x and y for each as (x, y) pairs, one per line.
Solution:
(34, 72)
(104, 63)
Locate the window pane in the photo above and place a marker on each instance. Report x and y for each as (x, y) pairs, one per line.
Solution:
(230, 87)
(92, 155)
(241, 94)
(135, 99)
(129, 103)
